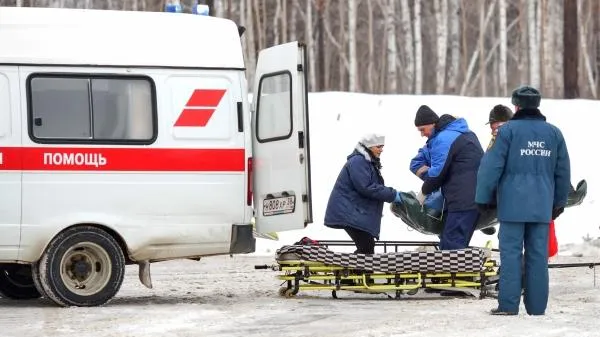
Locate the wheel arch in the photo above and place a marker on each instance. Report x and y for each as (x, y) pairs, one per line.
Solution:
(111, 231)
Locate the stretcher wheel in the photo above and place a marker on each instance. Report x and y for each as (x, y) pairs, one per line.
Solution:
(282, 291)
(286, 292)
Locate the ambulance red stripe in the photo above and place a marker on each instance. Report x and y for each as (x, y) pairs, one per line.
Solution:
(194, 117)
(121, 159)
(205, 98)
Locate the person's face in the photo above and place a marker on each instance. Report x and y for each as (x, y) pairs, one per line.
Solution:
(376, 150)
(494, 126)
(426, 130)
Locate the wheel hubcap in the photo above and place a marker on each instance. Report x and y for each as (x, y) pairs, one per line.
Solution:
(85, 268)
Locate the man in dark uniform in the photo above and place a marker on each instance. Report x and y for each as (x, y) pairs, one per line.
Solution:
(499, 115)
(527, 169)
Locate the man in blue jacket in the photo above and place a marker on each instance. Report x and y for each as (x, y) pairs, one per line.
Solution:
(449, 160)
(527, 170)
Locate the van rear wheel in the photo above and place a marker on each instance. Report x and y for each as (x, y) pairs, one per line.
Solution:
(82, 266)
(16, 282)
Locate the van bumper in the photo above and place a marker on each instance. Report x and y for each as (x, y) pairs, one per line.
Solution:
(242, 239)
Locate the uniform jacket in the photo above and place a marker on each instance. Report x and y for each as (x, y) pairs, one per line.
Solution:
(527, 169)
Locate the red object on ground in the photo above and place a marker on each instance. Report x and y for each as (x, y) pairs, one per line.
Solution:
(552, 241)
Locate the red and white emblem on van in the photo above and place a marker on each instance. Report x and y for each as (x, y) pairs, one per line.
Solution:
(200, 107)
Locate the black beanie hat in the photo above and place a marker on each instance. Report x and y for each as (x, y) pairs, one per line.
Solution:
(425, 116)
(500, 113)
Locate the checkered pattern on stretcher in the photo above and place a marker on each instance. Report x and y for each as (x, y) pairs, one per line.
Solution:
(450, 261)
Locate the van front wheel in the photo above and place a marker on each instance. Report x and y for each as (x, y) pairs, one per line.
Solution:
(82, 266)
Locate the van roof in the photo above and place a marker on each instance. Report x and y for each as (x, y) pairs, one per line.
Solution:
(59, 36)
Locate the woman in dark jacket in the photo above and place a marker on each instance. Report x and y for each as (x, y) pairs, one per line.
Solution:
(356, 202)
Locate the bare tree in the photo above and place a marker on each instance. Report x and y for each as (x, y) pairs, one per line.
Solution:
(534, 53)
(571, 50)
(441, 17)
(502, 73)
(584, 47)
(275, 24)
(392, 53)
(454, 41)
(353, 71)
(371, 43)
(418, 48)
(476, 53)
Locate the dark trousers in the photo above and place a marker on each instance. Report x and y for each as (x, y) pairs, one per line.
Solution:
(458, 229)
(365, 242)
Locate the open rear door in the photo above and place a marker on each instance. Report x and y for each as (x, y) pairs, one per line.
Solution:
(280, 139)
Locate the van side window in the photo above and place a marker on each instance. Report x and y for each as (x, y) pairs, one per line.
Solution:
(274, 107)
(96, 109)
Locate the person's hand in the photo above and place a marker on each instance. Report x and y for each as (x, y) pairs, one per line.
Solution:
(420, 198)
(421, 170)
(556, 212)
(398, 198)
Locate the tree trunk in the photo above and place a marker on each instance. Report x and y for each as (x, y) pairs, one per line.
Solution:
(482, 66)
(310, 42)
(534, 53)
(476, 54)
(371, 44)
(292, 26)
(596, 17)
(548, 50)
(247, 9)
(321, 43)
(454, 40)
(441, 18)
(392, 53)
(584, 48)
(418, 48)
(283, 18)
(571, 49)
(353, 72)
(275, 25)
(502, 73)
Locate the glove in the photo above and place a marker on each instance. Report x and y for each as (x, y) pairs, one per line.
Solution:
(556, 212)
(398, 198)
(485, 207)
(420, 198)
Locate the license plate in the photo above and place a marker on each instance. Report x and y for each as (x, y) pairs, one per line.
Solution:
(277, 206)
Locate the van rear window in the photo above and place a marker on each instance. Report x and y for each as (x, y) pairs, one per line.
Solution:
(91, 109)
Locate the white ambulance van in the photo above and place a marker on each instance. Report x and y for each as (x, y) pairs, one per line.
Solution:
(128, 138)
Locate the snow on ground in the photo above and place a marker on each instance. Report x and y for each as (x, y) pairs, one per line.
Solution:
(223, 296)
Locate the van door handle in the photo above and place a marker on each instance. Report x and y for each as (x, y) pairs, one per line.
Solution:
(240, 116)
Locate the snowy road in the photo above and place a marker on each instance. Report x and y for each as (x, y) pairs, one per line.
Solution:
(223, 296)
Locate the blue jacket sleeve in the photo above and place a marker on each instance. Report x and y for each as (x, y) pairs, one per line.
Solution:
(423, 158)
(562, 174)
(362, 176)
(436, 175)
(491, 169)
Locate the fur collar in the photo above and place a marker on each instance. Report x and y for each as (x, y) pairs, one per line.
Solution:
(529, 114)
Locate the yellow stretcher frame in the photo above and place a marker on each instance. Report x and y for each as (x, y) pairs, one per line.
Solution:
(301, 275)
